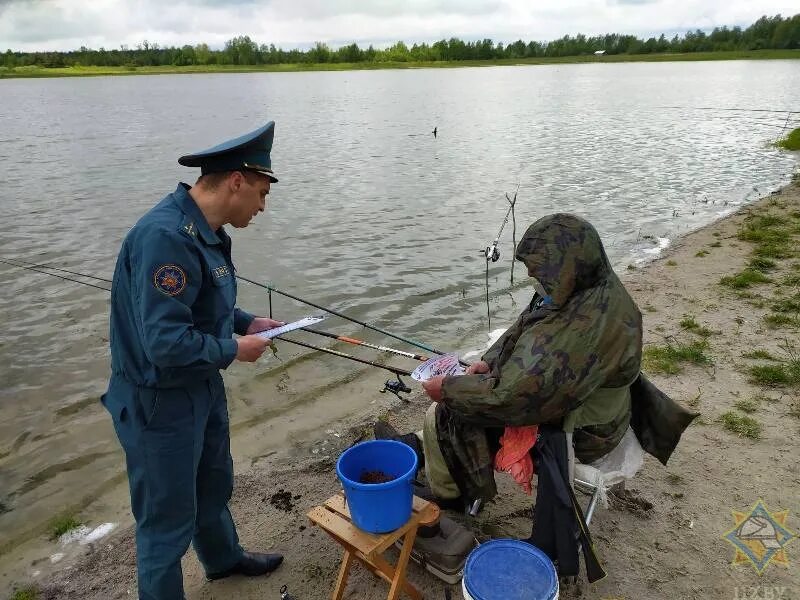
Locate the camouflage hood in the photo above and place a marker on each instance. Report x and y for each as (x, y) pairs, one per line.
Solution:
(586, 335)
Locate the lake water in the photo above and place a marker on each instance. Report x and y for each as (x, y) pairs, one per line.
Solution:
(373, 216)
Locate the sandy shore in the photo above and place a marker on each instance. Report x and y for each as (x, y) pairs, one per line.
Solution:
(673, 549)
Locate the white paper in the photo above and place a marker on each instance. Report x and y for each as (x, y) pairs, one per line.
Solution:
(446, 364)
(304, 322)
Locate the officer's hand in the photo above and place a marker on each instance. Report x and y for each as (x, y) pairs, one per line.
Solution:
(478, 368)
(262, 324)
(251, 347)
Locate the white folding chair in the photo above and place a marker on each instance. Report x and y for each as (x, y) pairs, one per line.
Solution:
(619, 465)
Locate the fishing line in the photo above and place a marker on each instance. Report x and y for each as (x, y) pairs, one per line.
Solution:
(492, 253)
(32, 268)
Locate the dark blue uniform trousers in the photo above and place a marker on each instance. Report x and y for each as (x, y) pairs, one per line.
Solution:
(177, 449)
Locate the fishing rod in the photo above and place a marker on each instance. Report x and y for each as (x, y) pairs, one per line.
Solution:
(34, 267)
(395, 387)
(343, 316)
(492, 253)
(349, 340)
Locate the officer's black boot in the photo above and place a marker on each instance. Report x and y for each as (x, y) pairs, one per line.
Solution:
(251, 564)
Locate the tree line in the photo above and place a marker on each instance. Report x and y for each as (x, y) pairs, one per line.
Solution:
(766, 33)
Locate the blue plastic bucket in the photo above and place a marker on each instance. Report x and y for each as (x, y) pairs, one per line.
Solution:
(378, 507)
(509, 570)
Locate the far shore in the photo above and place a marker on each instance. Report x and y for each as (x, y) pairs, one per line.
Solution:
(80, 71)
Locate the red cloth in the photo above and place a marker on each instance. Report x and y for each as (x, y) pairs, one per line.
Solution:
(514, 455)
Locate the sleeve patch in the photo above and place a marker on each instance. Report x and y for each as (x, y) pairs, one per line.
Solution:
(170, 279)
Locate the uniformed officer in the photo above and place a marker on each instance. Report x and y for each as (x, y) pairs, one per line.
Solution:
(173, 317)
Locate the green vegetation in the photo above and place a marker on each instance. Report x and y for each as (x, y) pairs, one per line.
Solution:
(61, 525)
(761, 264)
(747, 406)
(690, 324)
(671, 263)
(775, 321)
(787, 305)
(759, 355)
(702, 253)
(768, 37)
(26, 593)
(716, 244)
(791, 280)
(785, 373)
(667, 359)
(791, 141)
(744, 279)
(650, 308)
(741, 425)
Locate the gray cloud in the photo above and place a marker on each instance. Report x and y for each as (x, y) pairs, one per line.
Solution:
(633, 2)
(68, 24)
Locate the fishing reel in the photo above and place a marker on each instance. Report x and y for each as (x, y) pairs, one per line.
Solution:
(396, 387)
(284, 591)
(492, 253)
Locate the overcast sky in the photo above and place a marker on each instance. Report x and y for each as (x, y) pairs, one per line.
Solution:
(69, 24)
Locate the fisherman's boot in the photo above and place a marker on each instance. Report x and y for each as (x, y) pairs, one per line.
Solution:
(384, 431)
(443, 549)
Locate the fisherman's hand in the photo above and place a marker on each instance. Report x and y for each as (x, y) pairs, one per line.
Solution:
(478, 368)
(262, 324)
(433, 387)
(251, 347)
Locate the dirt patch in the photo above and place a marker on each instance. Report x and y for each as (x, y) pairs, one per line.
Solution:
(282, 500)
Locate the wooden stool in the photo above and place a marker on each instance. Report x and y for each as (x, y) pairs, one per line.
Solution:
(334, 517)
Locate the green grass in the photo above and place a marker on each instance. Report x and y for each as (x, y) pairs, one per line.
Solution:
(668, 359)
(769, 232)
(777, 320)
(671, 263)
(741, 425)
(690, 324)
(791, 141)
(26, 593)
(787, 305)
(744, 279)
(75, 71)
(702, 253)
(791, 280)
(761, 264)
(61, 525)
(759, 355)
(748, 406)
(786, 373)
(716, 244)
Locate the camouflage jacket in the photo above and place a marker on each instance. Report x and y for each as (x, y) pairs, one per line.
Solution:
(583, 337)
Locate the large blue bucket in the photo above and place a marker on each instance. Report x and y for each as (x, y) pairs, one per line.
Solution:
(509, 570)
(378, 507)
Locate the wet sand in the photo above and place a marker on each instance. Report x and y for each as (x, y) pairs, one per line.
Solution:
(673, 549)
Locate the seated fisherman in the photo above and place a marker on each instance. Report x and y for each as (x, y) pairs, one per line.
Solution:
(569, 364)
(569, 360)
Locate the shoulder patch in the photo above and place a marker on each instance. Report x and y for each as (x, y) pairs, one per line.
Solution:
(170, 280)
(220, 272)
